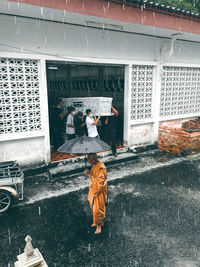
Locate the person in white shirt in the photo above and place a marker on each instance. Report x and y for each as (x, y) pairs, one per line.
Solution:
(91, 123)
(70, 128)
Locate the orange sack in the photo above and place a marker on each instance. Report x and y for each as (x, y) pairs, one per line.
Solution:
(98, 191)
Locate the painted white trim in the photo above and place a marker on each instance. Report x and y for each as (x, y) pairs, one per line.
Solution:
(20, 55)
(66, 58)
(44, 110)
(139, 122)
(25, 135)
(127, 103)
(179, 117)
(145, 63)
(90, 60)
(183, 65)
(156, 102)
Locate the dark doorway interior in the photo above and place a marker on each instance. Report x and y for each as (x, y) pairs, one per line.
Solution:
(66, 79)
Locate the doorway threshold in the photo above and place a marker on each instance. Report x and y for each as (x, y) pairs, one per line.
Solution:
(59, 157)
(77, 164)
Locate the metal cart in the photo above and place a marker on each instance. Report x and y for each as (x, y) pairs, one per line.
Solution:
(11, 184)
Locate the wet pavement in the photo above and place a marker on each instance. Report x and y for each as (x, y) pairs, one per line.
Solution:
(153, 219)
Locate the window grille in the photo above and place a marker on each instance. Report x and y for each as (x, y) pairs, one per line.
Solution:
(19, 96)
(180, 91)
(142, 92)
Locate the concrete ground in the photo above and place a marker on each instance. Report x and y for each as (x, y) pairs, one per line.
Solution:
(153, 217)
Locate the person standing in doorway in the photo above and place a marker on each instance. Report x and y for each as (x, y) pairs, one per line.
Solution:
(91, 122)
(80, 124)
(70, 128)
(98, 191)
(111, 130)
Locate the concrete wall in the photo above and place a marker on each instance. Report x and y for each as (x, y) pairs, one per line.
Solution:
(73, 41)
(107, 10)
(25, 151)
(64, 42)
(141, 134)
(28, 147)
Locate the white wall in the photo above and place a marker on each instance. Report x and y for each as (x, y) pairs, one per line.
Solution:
(75, 41)
(32, 146)
(26, 151)
(46, 39)
(142, 134)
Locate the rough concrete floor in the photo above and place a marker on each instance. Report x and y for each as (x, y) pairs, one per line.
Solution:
(153, 218)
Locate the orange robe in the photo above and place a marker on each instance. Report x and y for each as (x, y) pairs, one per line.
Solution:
(98, 190)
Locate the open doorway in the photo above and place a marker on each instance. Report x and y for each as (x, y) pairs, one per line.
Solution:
(67, 80)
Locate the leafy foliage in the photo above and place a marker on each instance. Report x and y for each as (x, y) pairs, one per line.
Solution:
(186, 5)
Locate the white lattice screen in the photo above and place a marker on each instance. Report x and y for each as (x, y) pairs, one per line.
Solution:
(19, 96)
(180, 91)
(142, 92)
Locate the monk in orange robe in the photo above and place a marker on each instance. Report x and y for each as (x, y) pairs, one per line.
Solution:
(98, 190)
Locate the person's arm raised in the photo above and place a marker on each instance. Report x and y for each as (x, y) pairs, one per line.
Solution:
(114, 111)
(106, 121)
(97, 120)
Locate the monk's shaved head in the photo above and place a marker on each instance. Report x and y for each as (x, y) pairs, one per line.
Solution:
(92, 157)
